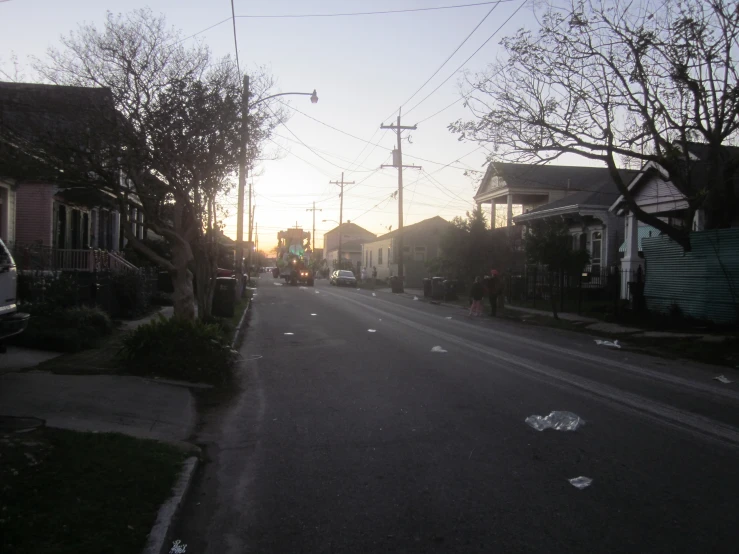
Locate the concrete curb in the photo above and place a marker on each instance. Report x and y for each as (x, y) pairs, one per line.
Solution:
(158, 540)
(237, 331)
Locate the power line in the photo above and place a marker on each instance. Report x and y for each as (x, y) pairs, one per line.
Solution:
(349, 14)
(469, 58)
(236, 46)
(365, 170)
(206, 29)
(451, 55)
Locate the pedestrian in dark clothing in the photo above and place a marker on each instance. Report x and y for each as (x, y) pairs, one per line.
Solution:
(494, 289)
(477, 293)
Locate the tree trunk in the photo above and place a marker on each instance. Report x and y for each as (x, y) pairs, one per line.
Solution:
(183, 297)
(206, 268)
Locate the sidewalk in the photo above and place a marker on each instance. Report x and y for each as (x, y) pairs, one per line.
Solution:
(104, 403)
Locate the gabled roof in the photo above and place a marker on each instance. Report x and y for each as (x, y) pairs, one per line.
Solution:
(436, 220)
(698, 171)
(573, 203)
(553, 177)
(350, 228)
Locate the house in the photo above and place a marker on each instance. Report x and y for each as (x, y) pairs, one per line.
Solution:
(701, 282)
(421, 243)
(51, 224)
(594, 228)
(350, 237)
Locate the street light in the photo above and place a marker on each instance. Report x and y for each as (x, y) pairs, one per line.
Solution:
(245, 107)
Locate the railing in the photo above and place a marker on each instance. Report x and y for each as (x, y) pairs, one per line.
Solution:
(36, 257)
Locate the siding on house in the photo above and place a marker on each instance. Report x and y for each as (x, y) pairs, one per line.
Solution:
(658, 196)
(373, 249)
(33, 220)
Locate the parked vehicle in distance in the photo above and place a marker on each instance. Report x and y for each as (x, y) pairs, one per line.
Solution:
(343, 277)
(12, 321)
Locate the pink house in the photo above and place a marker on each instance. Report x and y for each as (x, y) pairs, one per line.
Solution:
(50, 227)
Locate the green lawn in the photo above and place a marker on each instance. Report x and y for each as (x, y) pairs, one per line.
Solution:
(64, 492)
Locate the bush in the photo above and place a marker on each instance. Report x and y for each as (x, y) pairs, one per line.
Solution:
(179, 349)
(63, 329)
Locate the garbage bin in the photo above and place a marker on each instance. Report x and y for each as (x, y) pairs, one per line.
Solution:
(636, 294)
(224, 297)
(450, 289)
(437, 287)
(426, 287)
(395, 284)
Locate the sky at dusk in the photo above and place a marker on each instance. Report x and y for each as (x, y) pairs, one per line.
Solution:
(364, 67)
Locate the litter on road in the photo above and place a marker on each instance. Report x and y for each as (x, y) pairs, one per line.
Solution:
(277, 284)
(415, 298)
(559, 421)
(373, 294)
(289, 333)
(608, 343)
(580, 482)
(317, 292)
(313, 314)
(448, 317)
(372, 330)
(437, 349)
(722, 379)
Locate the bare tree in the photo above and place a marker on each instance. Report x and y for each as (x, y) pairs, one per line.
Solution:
(176, 140)
(630, 82)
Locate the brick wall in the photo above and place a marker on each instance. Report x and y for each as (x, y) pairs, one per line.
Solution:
(33, 217)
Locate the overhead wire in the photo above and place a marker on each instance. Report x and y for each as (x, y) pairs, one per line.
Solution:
(452, 54)
(236, 46)
(521, 5)
(351, 14)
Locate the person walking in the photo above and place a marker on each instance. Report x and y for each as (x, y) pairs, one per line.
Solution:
(363, 275)
(494, 288)
(477, 293)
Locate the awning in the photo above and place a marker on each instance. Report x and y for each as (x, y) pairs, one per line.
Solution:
(643, 233)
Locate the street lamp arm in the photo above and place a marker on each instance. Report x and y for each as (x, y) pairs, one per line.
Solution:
(313, 97)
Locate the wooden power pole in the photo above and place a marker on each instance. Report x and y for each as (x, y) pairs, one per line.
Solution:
(313, 236)
(242, 181)
(398, 162)
(341, 207)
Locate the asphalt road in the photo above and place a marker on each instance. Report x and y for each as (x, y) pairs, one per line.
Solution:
(349, 440)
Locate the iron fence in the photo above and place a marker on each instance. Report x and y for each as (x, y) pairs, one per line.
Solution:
(594, 290)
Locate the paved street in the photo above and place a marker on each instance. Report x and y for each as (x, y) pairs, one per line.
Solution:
(348, 441)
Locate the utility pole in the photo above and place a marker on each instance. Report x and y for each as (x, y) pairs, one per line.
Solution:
(398, 162)
(341, 207)
(242, 181)
(313, 236)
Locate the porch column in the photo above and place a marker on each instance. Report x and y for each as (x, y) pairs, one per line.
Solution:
(492, 213)
(116, 230)
(509, 214)
(631, 260)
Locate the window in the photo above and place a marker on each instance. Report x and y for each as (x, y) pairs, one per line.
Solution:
(379, 256)
(419, 254)
(596, 250)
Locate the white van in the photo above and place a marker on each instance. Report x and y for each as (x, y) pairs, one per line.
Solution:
(11, 321)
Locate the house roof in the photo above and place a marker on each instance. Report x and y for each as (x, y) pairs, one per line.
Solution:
(572, 203)
(36, 119)
(698, 171)
(425, 223)
(349, 227)
(552, 177)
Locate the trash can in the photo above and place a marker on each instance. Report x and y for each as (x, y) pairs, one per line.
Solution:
(426, 287)
(437, 287)
(450, 289)
(224, 297)
(636, 295)
(395, 284)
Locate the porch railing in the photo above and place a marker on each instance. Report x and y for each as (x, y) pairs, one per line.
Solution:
(36, 257)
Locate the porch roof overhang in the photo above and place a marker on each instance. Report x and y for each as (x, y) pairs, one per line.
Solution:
(574, 209)
(503, 192)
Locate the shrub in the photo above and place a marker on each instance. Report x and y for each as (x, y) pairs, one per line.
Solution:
(179, 349)
(63, 329)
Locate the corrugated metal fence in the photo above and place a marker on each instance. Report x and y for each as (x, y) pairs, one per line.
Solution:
(702, 283)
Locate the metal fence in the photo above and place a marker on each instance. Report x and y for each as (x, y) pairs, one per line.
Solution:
(594, 290)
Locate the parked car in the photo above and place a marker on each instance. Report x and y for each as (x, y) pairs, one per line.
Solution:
(343, 277)
(12, 321)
